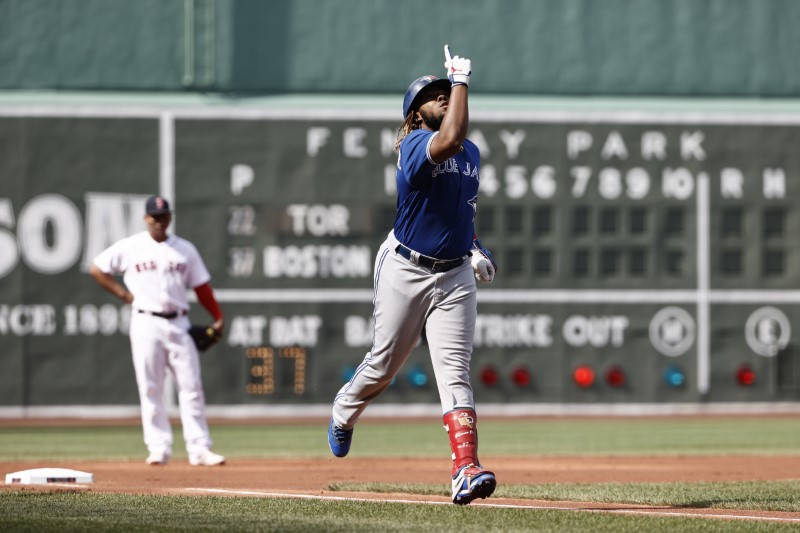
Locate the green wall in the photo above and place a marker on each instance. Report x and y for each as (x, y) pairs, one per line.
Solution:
(533, 47)
(666, 241)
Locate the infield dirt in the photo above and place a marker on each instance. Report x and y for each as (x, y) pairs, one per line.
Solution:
(313, 477)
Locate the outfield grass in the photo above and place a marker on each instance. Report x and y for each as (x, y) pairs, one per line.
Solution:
(540, 437)
(80, 511)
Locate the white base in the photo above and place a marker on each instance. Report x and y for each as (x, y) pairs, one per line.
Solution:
(49, 475)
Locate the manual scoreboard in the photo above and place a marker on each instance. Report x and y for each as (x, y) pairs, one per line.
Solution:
(643, 257)
(649, 254)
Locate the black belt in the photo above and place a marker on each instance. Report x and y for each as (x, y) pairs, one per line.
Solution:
(436, 265)
(168, 316)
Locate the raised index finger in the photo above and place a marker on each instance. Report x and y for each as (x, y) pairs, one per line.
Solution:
(447, 55)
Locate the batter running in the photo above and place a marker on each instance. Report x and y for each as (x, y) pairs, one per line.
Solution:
(425, 273)
(158, 269)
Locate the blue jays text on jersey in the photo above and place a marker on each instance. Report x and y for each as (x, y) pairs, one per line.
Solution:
(436, 203)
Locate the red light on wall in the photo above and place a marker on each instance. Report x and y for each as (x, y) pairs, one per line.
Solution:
(489, 376)
(583, 376)
(745, 375)
(521, 376)
(615, 376)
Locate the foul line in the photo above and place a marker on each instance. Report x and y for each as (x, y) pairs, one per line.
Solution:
(642, 512)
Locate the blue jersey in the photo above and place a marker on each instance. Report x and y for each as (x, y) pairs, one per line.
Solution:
(436, 203)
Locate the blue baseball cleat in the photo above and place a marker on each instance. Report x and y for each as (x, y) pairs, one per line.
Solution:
(472, 482)
(339, 439)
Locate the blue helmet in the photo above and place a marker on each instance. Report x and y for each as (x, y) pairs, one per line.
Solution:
(418, 86)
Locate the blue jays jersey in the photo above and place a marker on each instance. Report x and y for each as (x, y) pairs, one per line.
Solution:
(436, 204)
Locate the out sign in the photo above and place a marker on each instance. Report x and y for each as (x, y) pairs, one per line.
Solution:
(597, 331)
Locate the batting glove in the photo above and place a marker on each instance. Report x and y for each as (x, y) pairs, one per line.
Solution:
(482, 262)
(458, 68)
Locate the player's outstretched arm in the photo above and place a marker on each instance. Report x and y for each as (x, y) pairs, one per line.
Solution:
(110, 284)
(454, 127)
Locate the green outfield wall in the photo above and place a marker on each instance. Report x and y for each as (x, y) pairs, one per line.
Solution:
(645, 257)
(639, 188)
(743, 48)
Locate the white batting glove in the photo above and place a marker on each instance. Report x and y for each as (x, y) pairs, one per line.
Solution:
(482, 262)
(458, 68)
(484, 271)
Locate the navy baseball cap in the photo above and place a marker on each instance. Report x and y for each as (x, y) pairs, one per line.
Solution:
(419, 86)
(157, 205)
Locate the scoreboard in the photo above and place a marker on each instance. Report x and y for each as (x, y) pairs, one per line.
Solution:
(643, 257)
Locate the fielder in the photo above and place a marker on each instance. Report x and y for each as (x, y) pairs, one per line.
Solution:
(157, 270)
(425, 273)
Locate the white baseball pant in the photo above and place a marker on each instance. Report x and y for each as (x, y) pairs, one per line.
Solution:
(158, 344)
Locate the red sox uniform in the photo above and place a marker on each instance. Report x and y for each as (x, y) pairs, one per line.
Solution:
(158, 275)
(424, 278)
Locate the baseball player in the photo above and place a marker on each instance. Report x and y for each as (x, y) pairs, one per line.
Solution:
(157, 270)
(425, 273)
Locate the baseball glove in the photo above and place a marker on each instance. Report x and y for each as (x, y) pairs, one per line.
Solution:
(204, 337)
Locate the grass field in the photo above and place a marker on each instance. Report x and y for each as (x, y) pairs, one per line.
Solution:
(26, 510)
(426, 438)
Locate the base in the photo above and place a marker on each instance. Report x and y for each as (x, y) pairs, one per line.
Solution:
(38, 476)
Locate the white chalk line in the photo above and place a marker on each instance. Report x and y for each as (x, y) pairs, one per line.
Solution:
(641, 512)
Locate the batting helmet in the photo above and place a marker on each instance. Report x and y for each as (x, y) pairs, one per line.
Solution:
(418, 86)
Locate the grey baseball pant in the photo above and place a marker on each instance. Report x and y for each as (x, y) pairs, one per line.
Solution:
(408, 298)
